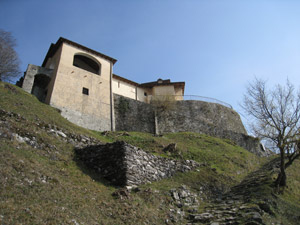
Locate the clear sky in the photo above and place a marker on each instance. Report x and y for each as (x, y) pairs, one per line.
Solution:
(215, 46)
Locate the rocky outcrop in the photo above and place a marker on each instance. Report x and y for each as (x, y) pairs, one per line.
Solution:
(184, 201)
(126, 165)
(247, 142)
(9, 130)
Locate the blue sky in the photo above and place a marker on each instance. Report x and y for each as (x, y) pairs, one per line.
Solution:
(215, 46)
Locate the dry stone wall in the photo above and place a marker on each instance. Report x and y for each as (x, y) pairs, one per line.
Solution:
(126, 165)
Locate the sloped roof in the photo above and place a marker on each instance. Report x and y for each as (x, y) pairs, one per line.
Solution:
(161, 82)
(54, 47)
(125, 80)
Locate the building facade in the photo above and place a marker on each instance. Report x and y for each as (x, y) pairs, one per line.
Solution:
(80, 82)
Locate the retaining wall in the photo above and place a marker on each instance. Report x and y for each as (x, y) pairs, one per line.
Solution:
(132, 115)
(126, 165)
(185, 116)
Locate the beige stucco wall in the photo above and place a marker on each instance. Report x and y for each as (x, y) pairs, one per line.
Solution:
(164, 90)
(91, 111)
(123, 88)
(178, 93)
(141, 94)
(129, 90)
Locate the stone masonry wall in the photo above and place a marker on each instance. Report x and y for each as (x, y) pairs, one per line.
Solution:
(208, 118)
(132, 115)
(31, 71)
(195, 116)
(200, 117)
(185, 116)
(126, 165)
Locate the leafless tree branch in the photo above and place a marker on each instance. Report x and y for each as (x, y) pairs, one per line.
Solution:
(9, 61)
(277, 119)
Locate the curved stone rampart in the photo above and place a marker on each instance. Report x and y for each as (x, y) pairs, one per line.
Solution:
(185, 116)
(200, 117)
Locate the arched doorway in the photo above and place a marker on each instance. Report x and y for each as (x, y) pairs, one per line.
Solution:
(40, 86)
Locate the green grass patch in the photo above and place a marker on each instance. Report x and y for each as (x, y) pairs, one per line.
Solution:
(46, 186)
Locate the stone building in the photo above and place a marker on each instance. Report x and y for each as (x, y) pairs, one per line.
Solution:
(80, 82)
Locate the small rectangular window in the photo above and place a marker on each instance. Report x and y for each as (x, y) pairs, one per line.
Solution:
(145, 93)
(118, 84)
(85, 91)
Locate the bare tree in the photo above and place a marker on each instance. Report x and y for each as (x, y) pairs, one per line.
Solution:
(163, 102)
(9, 61)
(276, 113)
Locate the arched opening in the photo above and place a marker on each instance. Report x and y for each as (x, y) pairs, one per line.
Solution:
(40, 85)
(87, 63)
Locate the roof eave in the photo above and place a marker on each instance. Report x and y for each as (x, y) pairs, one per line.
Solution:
(125, 80)
(54, 47)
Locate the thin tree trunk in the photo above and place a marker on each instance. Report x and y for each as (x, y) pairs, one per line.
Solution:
(281, 179)
(155, 123)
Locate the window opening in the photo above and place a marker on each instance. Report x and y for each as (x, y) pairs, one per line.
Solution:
(85, 91)
(87, 64)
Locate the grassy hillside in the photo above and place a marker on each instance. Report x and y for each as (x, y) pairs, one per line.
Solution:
(42, 183)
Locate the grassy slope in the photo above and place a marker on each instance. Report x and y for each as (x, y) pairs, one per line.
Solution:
(46, 186)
